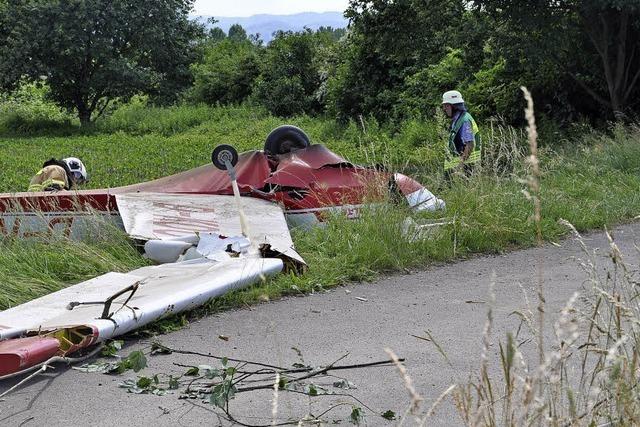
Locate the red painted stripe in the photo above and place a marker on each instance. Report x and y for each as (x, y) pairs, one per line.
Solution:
(21, 353)
(99, 200)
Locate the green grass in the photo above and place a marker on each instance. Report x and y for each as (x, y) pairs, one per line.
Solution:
(594, 185)
(30, 269)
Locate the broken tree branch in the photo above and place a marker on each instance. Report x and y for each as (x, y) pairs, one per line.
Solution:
(196, 353)
(294, 370)
(323, 371)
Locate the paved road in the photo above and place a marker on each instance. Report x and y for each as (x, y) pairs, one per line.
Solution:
(360, 320)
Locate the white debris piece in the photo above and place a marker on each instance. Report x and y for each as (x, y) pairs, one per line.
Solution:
(154, 216)
(414, 231)
(162, 290)
(201, 245)
(424, 200)
(165, 251)
(212, 243)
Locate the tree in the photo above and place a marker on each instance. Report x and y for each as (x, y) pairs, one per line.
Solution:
(596, 43)
(237, 33)
(216, 34)
(389, 40)
(335, 33)
(90, 52)
(475, 64)
(290, 73)
(226, 73)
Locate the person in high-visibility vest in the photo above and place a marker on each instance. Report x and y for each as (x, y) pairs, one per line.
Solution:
(56, 175)
(463, 147)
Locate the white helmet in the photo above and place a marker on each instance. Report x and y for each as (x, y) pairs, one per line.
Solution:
(452, 97)
(77, 169)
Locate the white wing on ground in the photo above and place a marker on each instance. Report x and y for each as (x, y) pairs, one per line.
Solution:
(113, 304)
(162, 290)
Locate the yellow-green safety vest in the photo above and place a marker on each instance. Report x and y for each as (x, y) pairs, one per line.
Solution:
(452, 158)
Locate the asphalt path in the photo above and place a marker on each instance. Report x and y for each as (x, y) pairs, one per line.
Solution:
(359, 320)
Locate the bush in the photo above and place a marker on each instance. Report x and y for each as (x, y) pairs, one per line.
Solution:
(422, 145)
(28, 111)
(138, 118)
(620, 151)
(226, 74)
(423, 89)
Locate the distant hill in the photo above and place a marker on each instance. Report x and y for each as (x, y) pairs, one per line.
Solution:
(266, 25)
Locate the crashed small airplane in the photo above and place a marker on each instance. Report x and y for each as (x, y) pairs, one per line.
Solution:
(215, 228)
(306, 182)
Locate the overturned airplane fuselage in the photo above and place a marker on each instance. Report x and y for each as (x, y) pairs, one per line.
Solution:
(307, 183)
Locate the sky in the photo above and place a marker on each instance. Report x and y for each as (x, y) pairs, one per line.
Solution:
(237, 8)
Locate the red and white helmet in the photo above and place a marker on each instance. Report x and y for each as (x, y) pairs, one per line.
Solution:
(77, 169)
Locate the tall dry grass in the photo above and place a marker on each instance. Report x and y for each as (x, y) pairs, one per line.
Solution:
(589, 374)
(504, 149)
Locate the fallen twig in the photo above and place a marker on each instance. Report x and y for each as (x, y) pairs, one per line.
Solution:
(196, 353)
(322, 372)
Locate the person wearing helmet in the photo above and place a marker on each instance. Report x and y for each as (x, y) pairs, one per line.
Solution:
(463, 147)
(56, 175)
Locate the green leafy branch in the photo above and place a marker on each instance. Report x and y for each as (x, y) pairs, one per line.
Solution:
(218, 385)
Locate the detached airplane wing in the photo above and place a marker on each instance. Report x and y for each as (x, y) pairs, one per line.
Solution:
(113, 304)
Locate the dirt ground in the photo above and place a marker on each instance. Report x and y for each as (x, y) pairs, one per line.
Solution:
(360, 320)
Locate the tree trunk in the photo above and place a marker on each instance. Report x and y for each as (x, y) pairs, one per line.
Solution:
(609, 34)
(617, 106)
(84, 114)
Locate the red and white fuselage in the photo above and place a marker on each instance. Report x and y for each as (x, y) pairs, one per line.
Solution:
(307, 183)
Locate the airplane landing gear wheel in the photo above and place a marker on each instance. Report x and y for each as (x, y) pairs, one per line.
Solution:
(285, 139)
(222, 154)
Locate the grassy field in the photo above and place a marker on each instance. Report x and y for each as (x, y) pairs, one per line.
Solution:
(591, 182)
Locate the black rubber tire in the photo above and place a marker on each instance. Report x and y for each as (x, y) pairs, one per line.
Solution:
(285, 139)
(224, 152)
